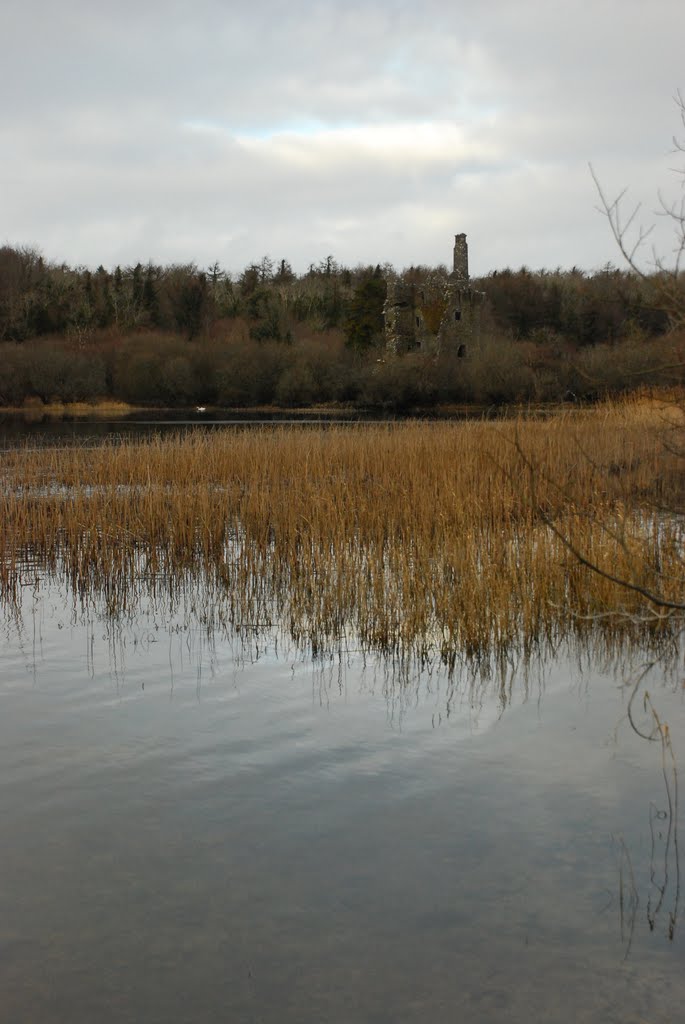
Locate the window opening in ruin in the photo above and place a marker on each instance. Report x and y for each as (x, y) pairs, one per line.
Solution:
(457, 314)
(461, 352)
(418, 321)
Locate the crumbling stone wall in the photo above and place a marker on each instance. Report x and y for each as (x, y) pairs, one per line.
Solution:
(400, 317)
(437, 316)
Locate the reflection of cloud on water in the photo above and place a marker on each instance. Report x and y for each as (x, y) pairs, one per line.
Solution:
(489, 793)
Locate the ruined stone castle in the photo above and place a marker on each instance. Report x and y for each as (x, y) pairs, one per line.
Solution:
(442, 314)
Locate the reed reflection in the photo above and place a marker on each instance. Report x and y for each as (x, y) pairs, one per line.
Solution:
(656, 891)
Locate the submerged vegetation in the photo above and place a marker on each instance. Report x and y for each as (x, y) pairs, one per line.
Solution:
(416, 539)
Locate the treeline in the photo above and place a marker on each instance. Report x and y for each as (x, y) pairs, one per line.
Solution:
(178, 336)
(38, 298)
(584, 309)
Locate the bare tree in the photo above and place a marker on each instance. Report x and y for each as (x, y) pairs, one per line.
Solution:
(633, 237)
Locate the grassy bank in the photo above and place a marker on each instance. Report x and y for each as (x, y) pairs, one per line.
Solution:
(105, 408)
(423, 537)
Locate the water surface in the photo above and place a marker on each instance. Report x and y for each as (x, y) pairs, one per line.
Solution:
(203, 826)
(40, 429)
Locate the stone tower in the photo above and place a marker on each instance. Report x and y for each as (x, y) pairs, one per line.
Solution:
(460, 270)
(460, 326)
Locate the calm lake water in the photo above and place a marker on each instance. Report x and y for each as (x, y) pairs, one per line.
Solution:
(203, 827)
(38, 429)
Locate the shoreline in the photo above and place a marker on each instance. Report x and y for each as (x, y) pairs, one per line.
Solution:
(110, 409)
(122, 410)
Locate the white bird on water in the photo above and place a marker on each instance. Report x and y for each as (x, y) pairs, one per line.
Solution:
(200, 408)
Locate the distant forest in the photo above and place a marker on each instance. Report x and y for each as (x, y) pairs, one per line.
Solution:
(179, 336)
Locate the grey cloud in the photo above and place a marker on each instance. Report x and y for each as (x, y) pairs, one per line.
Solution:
(101, 162)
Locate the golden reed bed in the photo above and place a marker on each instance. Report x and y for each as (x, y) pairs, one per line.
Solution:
(448, 537)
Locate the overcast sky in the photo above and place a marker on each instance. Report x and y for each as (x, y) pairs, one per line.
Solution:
(374, 131)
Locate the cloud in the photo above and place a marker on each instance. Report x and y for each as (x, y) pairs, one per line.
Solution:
(373, 131)
(391, 147)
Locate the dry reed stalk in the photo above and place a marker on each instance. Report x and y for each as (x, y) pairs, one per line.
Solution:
(410, 537)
